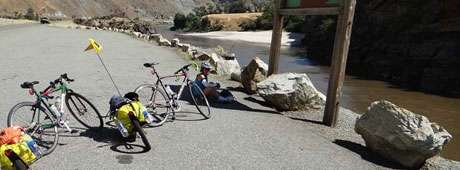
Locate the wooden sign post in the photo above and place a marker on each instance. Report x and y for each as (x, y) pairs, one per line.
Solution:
(345, 10)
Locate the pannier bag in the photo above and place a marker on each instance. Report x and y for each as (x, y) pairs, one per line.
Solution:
(120, 107)
(21, 144)
(136, 108)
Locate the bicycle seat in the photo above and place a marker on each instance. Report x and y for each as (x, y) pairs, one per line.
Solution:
(28, 85)
(150, 64)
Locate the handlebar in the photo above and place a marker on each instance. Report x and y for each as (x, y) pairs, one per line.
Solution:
(183, 69)
(64, 77)
(58, 80)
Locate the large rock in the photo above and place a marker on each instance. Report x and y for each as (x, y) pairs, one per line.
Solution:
(163, 42)
(291, 91)
(175, 42)
(254, 72)
(137, 34)
(236, 76)
(400, 135)
(214, 59)
(201, 55)
(155, 37)
(185, 47)
(227, 67)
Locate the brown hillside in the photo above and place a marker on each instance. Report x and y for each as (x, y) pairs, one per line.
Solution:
(87, 8)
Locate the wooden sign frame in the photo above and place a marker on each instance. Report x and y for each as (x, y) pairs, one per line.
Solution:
(345, 18)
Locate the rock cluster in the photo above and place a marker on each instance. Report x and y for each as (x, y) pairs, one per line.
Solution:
(106, 23)
(224, 65)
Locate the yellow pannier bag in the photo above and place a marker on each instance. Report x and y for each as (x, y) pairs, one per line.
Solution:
(21, 149)
(135, 107)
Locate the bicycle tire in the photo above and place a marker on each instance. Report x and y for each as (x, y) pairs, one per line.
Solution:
(156, 102)
(199, 99)
(138, 128)
(19, 164)
(80, 99)
(40, 142)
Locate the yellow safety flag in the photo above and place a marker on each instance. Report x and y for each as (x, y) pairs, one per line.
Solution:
(94, 45)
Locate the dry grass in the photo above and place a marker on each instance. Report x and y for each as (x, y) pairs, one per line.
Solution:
(231, 22)
(4, 21)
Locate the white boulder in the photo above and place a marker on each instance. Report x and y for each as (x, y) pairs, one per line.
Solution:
(291, 91)
(227, 67)
(175, 42)
(163, 41)
(401, 135)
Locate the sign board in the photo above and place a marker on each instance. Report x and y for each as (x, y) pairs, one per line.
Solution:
(290, 4)
(345, 10)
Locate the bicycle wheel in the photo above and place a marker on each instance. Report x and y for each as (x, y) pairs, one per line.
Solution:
(37, 123)
(18, 163)
(200, 100)
(156, 102)
(138, 128)
(83, 110)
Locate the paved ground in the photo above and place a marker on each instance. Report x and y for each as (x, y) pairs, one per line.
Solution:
(245, 135)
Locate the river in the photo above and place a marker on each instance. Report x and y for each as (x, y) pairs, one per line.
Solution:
(357, 93)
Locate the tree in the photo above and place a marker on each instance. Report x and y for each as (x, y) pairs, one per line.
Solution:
(200, 11)
(30, 14)
(180, 21)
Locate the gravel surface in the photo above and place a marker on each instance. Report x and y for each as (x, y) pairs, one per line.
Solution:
(243, 135)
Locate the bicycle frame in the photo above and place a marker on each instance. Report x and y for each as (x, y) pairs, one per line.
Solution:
(159, 81)
(64, 89)
(40, 100)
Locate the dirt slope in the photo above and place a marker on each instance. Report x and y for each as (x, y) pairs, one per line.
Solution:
(82, 8)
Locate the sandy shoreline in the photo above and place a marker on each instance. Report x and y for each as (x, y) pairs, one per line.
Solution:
(288, 39)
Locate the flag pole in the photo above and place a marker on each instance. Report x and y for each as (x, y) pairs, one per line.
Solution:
(98, 48)
(108, 73)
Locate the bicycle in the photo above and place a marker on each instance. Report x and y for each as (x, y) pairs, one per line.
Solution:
(40, 126)
(168, 100)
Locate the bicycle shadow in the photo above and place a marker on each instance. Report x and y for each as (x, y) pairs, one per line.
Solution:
(234, 105)
(367, 154)
(189, 116)
(111, 137)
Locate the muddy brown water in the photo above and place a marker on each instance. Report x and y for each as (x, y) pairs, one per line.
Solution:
(358, 93)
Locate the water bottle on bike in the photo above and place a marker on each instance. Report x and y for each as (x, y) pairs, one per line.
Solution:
(34, 148)
(122, 129)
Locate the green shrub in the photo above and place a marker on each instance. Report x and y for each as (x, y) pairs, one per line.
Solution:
(180, 21)
(248, 26)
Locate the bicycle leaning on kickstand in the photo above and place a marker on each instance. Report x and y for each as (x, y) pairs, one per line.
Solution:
(42, 118)
(163, 103)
